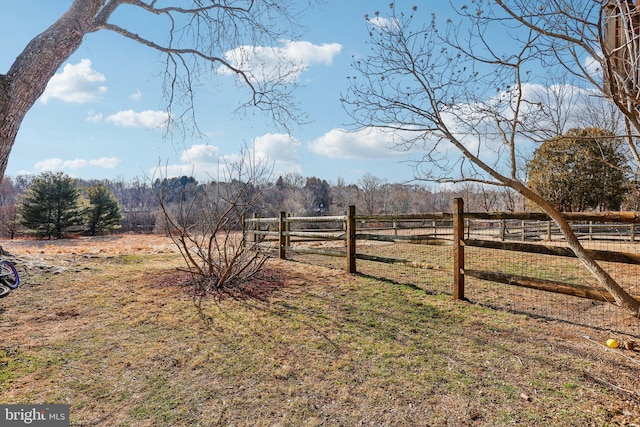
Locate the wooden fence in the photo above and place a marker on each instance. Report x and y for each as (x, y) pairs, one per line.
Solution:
(490, 231)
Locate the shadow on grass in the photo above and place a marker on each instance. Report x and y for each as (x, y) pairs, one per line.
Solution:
(407, 285)
(497, 307)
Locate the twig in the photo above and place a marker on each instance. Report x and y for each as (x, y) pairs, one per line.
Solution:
(614, 387)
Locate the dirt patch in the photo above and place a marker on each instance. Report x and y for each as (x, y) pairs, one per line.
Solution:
(259, 287)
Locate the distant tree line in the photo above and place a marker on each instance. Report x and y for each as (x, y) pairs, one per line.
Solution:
(53, 204)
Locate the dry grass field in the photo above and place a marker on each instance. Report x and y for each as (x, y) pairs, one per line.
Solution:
(108, 326)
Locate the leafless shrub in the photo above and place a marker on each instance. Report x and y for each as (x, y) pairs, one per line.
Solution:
(206, 225)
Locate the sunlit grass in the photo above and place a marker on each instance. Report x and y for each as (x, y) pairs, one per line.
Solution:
(120, 340)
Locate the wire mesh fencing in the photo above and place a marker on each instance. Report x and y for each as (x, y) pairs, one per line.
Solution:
(552, 269)
(507, 259)
(410, 250)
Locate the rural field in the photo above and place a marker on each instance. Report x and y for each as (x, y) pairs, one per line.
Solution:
(108, 326)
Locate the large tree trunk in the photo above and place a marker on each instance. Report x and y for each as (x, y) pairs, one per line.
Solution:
(622, 298)
(27, 78)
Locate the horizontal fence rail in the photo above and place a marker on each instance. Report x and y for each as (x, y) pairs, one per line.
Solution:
(524, 232)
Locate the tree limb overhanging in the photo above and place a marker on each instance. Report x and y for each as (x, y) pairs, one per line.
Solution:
(196, 34)
(464, 90)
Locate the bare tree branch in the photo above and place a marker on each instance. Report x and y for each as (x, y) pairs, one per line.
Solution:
(205, 224)
(469, 101)
(196, 39)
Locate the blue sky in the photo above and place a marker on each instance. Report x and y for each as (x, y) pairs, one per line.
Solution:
(100, 116)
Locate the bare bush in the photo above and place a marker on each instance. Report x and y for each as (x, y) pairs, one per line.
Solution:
(206, 225)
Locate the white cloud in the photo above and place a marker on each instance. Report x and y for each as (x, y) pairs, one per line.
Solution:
(281, 149)
(543, 112)
(94, 117)
(370, 143)
(205, 161)
(308, 53)
(53, 164)
(202, 161)
(171, 171)
(78, 84)
(143, 119)
(470, 123)
(56, 164)
(273, 63)
(105, 162)
(201, 154)
(277, 146)
(136, 95)
(593, 67)
(383, 23)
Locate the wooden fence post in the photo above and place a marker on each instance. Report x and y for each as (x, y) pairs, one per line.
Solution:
(281, 236)
(288, 229)
(243, 228)
(458, 249)
(256, 227)
(351, 239)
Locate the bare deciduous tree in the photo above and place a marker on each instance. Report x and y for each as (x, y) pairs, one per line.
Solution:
(598, 43)
(198, 35)
(373, 192)
(465, 96)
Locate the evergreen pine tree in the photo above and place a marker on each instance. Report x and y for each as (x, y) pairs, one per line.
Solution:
(51, 205)
(104, 211)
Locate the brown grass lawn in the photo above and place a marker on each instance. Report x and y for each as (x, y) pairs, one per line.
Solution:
(107, 326)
